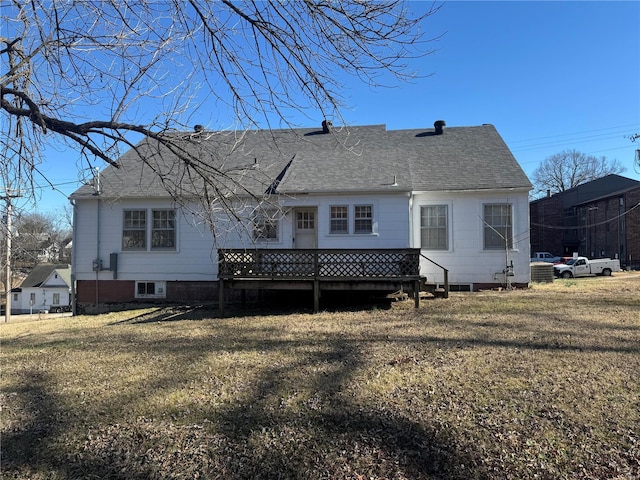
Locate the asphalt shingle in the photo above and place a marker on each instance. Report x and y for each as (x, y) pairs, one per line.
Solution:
(353, 159)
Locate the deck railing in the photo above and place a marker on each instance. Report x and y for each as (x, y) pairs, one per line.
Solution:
(319, 264)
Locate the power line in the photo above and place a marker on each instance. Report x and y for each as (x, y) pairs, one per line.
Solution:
(635, 125)
(564, 142)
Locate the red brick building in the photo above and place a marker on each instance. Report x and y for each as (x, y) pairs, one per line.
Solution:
(597, 219)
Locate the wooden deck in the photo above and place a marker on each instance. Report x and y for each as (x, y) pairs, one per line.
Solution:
(320, 269)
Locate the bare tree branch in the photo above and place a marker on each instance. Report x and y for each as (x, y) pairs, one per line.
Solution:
(105, 74)
(571, 168)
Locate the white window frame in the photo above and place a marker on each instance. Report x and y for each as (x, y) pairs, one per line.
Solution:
(424, 228)
(166, 228)
(334, 220)
(159, 289)
(170, 224)
(357, 217)
(132, 228)
(268, 220)
(497, 232)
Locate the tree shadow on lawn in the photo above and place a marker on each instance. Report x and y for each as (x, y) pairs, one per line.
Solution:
(274, 306)
(336, 437)
(328, 436)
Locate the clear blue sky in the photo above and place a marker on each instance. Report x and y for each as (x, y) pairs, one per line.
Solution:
(550, 76)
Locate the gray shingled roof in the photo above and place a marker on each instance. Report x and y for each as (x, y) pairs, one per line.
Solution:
(352, 159)
(41, 272)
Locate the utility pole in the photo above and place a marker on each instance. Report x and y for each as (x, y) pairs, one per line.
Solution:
(9, 195)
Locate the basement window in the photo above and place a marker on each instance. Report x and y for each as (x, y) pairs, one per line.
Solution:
(150, 290)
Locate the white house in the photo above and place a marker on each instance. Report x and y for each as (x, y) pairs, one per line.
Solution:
(456, 195)
(46, 288)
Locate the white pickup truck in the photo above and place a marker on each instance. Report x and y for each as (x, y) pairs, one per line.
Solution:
(582, 267)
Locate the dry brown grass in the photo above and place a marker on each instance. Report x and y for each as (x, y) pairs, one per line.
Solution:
(538, 383)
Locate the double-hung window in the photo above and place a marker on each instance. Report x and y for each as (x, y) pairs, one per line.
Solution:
(434, 227)
(134, 230)
(266, 225)
(498, 226)
(163, 230)
(339, 220)
(363, 219)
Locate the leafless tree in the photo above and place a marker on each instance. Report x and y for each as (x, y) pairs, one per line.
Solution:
(571, 168)
(100, 75)
(39, 238)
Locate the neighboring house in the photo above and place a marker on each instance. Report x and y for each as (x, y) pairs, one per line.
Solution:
(47, 287)
(456, 195)
(597, 219)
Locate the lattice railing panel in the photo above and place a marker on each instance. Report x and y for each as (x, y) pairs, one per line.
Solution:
(371, 264)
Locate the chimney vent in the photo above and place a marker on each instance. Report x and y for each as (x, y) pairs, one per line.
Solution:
(439, 126)
(198, 128)
(327, 126)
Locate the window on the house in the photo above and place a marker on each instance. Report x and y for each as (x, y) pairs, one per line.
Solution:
(32, 299)
(498, 226)
(150, 290)
(265, 225)
(134, 230)
(339, 219)
(363, 219)
(56, 299)
(15, 297)
(163, 230)
(433, 227)
(146, 288)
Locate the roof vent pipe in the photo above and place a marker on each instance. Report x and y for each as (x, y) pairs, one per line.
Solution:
(198, 128)
(439, 126)
(327, 126)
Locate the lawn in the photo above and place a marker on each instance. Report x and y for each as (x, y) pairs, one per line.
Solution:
(541, 383)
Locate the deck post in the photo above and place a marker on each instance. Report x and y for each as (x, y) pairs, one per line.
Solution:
(316, 295)
(316, 282)
(446, 283)
(416, 293)
(221, 296)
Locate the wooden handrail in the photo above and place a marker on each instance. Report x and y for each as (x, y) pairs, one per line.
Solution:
(446, 274)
